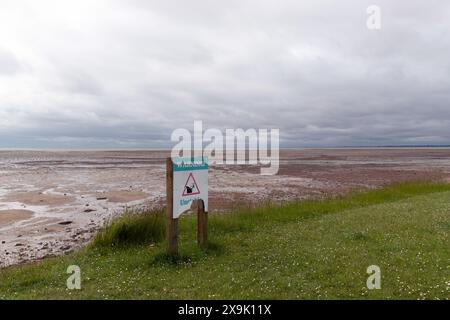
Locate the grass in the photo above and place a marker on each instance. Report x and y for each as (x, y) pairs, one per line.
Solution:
(132, 228)
(304, 250)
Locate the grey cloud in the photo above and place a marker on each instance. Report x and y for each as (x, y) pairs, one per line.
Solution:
(127, 74)
(8, 63)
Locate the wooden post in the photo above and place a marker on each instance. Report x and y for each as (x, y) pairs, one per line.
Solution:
(172, 224)
(202, 224)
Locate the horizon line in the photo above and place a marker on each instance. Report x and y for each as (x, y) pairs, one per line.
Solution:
(440, 146)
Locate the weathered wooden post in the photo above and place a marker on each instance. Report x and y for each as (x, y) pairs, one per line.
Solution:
(172, 224)
(202, 224)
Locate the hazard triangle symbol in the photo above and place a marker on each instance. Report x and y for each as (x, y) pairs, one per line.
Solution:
(190, 187)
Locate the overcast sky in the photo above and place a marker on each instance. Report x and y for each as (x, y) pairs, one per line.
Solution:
(125, 74)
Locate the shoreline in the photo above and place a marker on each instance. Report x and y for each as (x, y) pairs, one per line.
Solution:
(72, 195)
(346, 218)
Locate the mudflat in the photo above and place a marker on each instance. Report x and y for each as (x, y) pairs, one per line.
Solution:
(54, 201)
(10, 216)
(38, 199)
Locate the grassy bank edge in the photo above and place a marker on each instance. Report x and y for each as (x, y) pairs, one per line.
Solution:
(141, 228)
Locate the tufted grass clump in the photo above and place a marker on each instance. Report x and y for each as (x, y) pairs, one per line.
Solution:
(136, 227)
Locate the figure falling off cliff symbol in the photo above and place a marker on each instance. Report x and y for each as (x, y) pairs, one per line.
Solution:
(190, 187)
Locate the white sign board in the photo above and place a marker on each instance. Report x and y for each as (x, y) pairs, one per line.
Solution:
(190, 183)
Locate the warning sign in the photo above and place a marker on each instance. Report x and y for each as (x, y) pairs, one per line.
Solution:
(190, 187)
(190, 183)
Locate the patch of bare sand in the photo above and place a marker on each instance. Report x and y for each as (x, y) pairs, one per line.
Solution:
(39, 199)
(122, 196)
(11, 216)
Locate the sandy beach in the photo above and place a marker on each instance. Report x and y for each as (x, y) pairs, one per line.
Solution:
(52, 202)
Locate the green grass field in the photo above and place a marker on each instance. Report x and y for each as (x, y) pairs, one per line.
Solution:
(304, 250)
